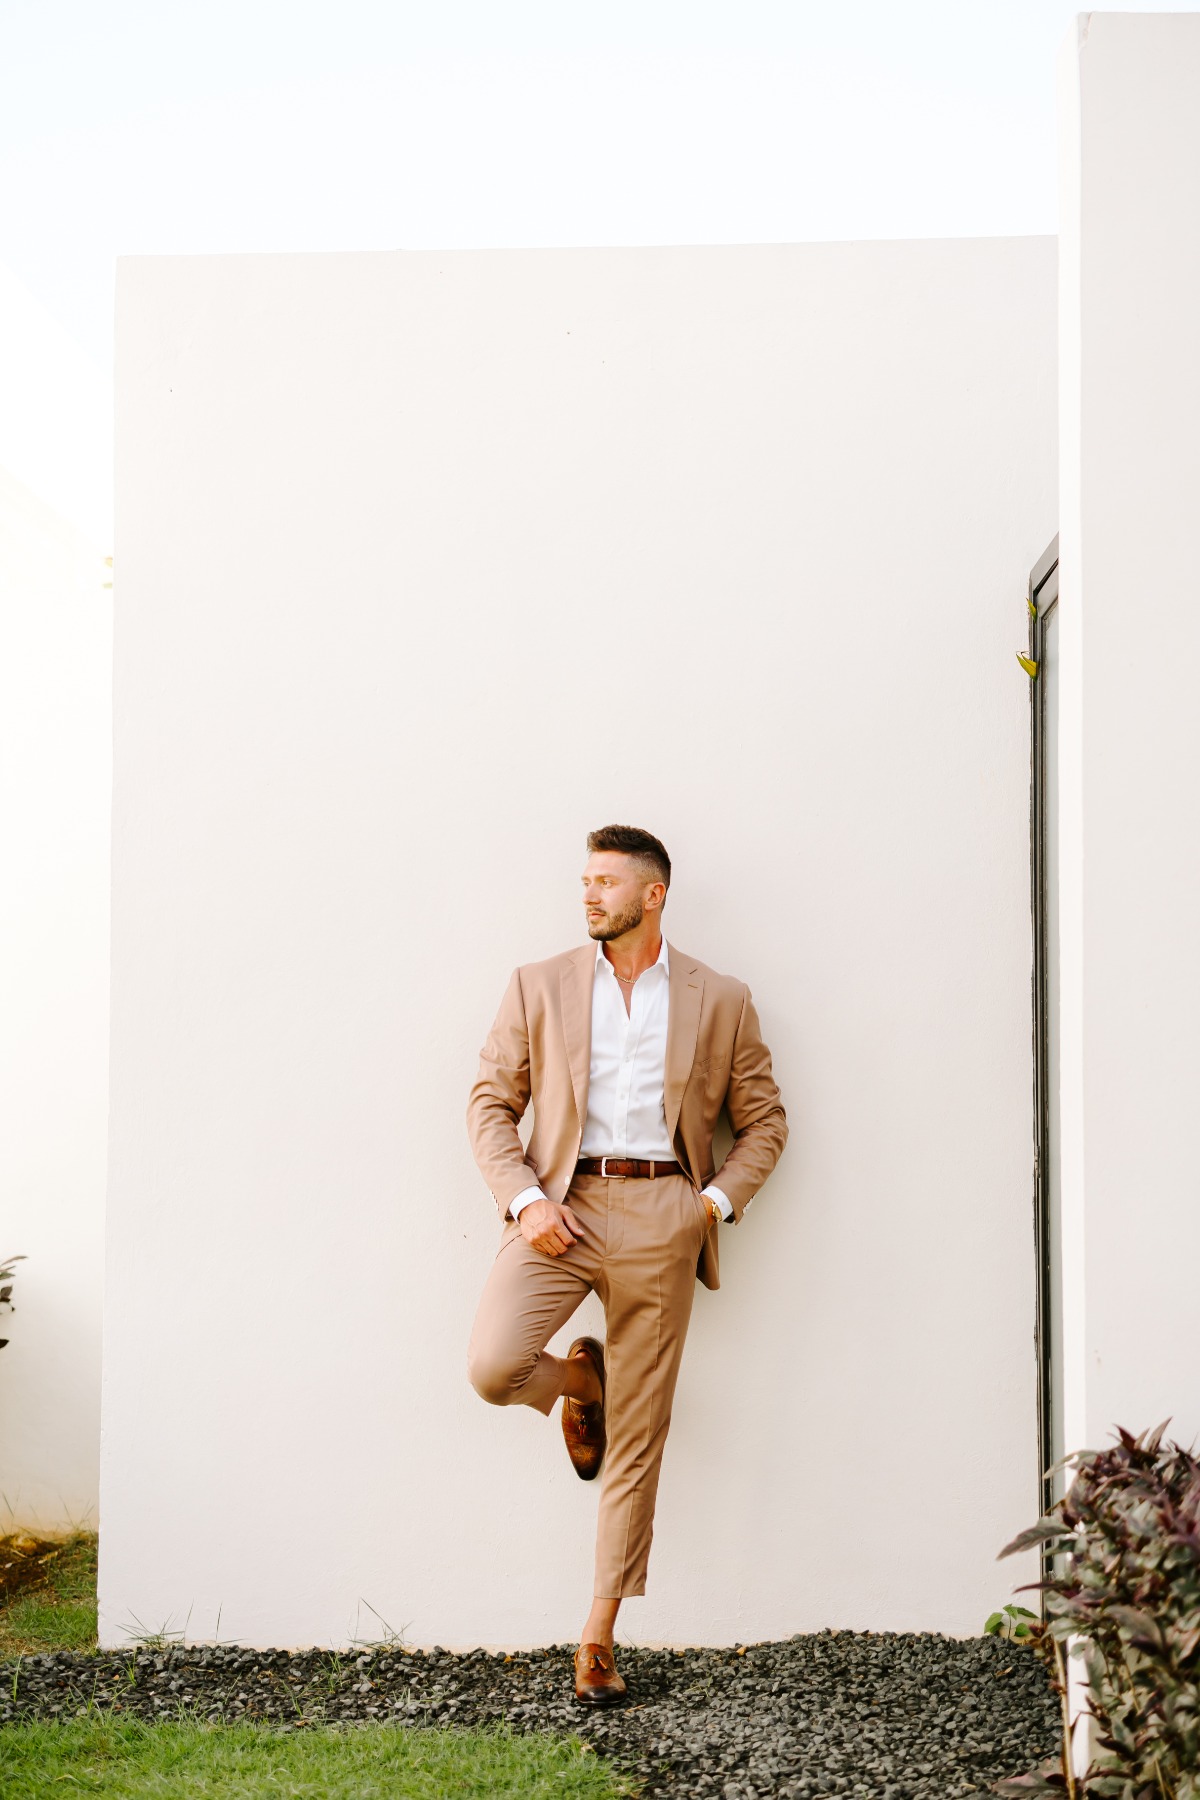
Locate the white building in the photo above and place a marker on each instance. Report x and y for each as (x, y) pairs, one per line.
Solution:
(55, 796)
(379, 520)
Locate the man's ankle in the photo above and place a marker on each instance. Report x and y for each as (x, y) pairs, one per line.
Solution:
(583, 1381)
(601, 1628)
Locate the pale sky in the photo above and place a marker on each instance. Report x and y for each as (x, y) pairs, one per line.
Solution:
(150, 127)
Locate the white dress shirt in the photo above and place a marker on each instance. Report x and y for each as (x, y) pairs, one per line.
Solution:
(626, 1108)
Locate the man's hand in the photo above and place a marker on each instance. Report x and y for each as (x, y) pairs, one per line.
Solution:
(549, 1228)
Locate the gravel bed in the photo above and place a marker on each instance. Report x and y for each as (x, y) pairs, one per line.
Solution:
(892, 1716)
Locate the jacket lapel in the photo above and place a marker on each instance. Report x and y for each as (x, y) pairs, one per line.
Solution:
(685, 991)
(577, 978)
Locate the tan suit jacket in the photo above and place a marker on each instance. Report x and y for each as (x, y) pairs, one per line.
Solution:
(539, 1049)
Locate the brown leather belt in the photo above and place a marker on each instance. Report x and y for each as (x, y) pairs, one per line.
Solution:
(623, 1165)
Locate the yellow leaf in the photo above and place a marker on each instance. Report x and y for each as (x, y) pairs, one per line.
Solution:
(1029, 666)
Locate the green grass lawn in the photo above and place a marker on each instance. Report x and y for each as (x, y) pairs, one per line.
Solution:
(60, 1612)
(132, 1760)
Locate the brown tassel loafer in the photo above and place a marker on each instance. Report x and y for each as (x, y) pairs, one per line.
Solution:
(583, 1420)
(596, 1680)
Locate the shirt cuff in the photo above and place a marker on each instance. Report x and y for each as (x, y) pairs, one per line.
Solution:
(523, 1199)
(725, 1205)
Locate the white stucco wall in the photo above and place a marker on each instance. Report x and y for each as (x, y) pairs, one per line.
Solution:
(427, 564)
(55, 769)
(1130, 746)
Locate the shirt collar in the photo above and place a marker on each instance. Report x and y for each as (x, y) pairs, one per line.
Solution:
(661, 959)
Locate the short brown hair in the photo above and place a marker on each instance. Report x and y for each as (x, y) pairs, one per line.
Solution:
(631, 841)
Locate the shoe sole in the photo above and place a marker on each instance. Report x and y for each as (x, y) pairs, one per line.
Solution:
(590, 1474)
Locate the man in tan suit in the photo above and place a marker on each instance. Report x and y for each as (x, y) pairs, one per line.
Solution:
(629, 1051)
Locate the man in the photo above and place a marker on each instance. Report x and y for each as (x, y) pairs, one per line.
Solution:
(628, 1051)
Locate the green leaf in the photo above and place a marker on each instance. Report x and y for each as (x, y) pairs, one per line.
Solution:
(1045, 1531)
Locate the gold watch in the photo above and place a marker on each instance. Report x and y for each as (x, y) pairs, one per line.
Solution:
(717, 1214)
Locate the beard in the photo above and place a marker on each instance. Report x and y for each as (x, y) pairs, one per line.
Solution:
(607, 929)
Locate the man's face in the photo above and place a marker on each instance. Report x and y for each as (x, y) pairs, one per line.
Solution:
(615, 892)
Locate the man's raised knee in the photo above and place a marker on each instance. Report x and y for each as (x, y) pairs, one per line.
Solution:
(495, 1380)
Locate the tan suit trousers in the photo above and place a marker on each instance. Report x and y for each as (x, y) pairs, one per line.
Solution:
(638, 1252)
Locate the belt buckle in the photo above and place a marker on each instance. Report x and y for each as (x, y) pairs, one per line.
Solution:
(604, 1167)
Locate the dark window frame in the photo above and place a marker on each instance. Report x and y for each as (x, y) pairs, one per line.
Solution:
(1042, 596)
